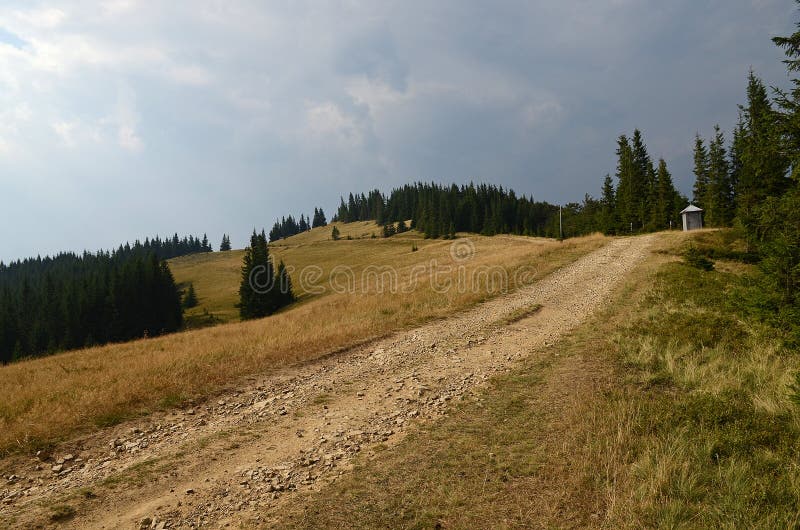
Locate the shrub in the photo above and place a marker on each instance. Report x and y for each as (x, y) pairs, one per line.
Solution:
(694, 258)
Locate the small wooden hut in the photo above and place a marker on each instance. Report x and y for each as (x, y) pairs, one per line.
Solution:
(692, 217)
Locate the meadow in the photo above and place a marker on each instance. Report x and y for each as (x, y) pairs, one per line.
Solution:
(43, 401)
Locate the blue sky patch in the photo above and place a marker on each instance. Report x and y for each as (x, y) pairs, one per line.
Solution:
(6, 37)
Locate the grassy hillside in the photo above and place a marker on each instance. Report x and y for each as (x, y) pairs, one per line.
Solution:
(44, 400)
(356, 230)
(216, 279)
(216, 275)
(671, 409)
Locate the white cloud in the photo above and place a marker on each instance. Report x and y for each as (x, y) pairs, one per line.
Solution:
(125, 119)
(12, 122)
(129, 139)
(327, 120)
(49, 18)
(247, 100)
(22, 112)
(115, 8)
(190, 75)
(63, 54)
(66, 132)
(76, 134)
(375, 94)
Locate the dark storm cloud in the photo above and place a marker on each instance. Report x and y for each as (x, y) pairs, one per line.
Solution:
(128, 118)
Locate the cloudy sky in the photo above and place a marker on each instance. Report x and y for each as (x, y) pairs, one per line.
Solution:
(126, 118)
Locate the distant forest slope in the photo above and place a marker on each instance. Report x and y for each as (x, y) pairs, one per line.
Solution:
(75, 300)
(644, 200)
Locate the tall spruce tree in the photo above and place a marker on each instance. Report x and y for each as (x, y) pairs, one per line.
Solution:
(319, 218)
(719, 194)
(626, 186)
(775, 222)
(284, 283)
(245, 289)
(664, 209)
(789, 102)
(257, 286)
(608, 201)
(764, 163)
(190, 298)
(735, 159)
(701, 170)
(642, 182)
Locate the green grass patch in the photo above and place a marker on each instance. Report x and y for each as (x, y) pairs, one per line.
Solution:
(61, 513)
(715, 440)
(321, 399)
(111, 418)
(171, 401)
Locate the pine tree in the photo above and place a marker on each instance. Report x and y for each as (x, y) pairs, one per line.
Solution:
(245, 290)
(335, 233)
(259, 290)
(764, 164)
(389, 230)
(719, 194)
(701, 170)
(770, 210)
(626, 194)
(226, 243)
(319, 218)
(789, 102)
(665, 208)
(642, 183)
(608, 203)
(256, 279)
(735, 159)
(286, 293)
(190, 298)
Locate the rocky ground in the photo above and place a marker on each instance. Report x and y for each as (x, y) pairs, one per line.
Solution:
(234, 460)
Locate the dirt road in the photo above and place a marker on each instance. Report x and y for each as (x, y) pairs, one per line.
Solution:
(235, 460)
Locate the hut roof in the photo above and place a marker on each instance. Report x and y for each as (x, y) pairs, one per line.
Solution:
(691, 208)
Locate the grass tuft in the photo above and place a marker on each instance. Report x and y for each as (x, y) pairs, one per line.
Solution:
(61, 513)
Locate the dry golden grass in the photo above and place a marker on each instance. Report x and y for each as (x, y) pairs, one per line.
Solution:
(216, 280)
(48, 399)
(216, 275)
(356, 230)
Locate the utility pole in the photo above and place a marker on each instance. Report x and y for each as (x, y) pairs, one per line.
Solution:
(560, 225)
